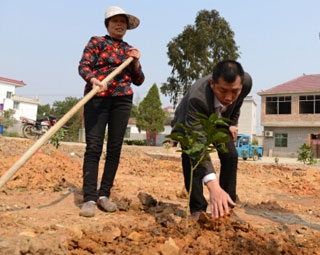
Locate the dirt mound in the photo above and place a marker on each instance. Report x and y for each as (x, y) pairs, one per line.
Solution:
(47, 172)
(279, 212)
(207, 236)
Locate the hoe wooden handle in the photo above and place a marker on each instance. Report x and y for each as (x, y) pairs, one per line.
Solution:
(27, 155)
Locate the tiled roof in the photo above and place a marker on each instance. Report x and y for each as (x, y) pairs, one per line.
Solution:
(167, 108)
(302, 84)
(132, 121)
(11, 81)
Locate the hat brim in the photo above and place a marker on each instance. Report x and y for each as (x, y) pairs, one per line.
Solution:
(133, 21)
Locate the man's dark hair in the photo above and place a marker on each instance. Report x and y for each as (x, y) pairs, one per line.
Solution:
(228, 70)
(106, 21)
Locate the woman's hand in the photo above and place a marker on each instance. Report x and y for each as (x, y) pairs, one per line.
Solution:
(95, 82)
(135, 53)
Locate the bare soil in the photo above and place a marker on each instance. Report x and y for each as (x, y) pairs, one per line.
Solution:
(278, 212)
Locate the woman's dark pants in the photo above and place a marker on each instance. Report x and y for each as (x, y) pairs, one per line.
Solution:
(100, 112)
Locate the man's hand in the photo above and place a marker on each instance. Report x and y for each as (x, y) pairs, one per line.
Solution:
(234, 132)
(219, 199)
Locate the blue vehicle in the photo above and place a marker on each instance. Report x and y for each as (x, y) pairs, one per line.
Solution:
(246, 149)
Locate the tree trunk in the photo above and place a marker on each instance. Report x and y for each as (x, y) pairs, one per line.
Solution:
(151, 138)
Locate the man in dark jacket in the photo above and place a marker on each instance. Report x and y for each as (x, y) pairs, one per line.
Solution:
(221, 93)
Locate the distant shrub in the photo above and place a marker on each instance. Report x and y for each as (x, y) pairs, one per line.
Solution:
(255, 142)
(305, 155)
(11, 134)
(135, 142)
(57, 138)
(166, 145)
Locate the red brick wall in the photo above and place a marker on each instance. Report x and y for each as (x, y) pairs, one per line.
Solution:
(293, 117)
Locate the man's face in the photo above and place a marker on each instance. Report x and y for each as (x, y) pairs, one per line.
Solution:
(226, 92)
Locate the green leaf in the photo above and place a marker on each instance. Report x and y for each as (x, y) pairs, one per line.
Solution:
(221, 122)
(202, 116)
(213, 118)
(175, 136)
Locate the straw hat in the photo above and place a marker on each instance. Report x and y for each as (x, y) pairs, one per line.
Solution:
(133, 21)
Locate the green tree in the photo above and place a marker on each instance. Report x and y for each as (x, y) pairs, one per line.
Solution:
(194, 52)
(43, 110)
(7, 119)
(134, 111)
(150, 116)
(60, 108)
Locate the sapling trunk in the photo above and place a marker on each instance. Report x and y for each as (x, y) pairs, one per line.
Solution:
(200, 139)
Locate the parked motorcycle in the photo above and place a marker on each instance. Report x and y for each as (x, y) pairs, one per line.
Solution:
(34, 129)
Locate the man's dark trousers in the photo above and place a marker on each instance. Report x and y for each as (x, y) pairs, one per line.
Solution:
(227, 179)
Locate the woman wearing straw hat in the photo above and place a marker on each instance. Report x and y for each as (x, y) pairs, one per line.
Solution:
(110, 107)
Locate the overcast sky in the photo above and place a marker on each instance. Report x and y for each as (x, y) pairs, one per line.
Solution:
(42, 41)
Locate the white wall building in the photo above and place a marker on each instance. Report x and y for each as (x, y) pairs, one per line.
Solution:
(248, 117)
(133, 133)
(26, 107)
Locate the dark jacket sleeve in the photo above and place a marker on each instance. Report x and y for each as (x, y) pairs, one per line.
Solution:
(89, 59)
(195, 101)
(137, 76)
(197, 106)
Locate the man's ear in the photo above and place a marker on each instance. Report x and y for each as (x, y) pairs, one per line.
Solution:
(211, 83)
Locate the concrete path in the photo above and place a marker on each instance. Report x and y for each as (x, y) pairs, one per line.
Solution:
(172, 152)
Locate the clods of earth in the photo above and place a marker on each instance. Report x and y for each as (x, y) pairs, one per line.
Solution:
(278, 211)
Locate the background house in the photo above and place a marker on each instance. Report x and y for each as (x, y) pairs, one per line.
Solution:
(290, 114)
(133, 133)
(22, 106)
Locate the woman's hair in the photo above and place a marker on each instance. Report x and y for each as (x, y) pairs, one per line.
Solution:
(228, 70)
(106, 21)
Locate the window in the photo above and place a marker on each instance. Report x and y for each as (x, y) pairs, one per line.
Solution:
(278, 105)
(309, 104)
(16, 105)
(281, 140)
(9, 94)
(245, 141)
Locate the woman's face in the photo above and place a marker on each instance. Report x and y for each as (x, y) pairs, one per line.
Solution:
(117, 26)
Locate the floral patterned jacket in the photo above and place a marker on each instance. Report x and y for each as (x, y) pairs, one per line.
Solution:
(101, 56)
